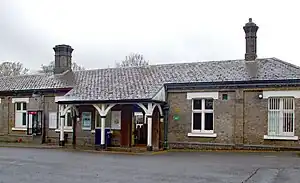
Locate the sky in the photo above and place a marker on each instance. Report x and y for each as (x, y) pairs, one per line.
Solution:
(103, 32)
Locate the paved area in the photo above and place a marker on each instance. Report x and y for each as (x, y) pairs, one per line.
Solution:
(23, 165)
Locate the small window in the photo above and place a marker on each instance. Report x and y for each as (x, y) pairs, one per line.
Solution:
(208, 103)
(18, 104)
(69, 119)
(209, 124)
(197, 121)
(225, 96)
(98, 121)
(24, 106)
(24, 116)
(197, 104)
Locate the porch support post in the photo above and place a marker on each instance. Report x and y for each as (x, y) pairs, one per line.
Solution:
(62, 134)
(103, 135)
(62, 124)
(149, 133)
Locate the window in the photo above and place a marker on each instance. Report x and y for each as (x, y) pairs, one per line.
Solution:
(52, 120)
(281, 116)
(20, 115)
(98, 120)
(68, 121)
(202, 118)
(86, 120)
(225, 96)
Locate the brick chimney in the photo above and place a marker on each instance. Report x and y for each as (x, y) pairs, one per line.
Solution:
(250, 29)
(63, 58)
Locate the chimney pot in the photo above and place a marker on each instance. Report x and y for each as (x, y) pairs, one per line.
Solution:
(63, 58)
(250, 29)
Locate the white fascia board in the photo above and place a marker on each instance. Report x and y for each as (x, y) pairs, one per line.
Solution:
(14, 100)
(282, 93)
(193, 95)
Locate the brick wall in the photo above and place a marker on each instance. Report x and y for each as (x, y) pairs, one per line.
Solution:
(242, 119)
(224, 118)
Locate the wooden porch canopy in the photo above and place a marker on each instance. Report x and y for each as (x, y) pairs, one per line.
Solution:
(104, 106)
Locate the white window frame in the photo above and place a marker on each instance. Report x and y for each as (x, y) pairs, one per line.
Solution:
(19, 125)
(280, 119)
(66, 127)
(202, 111)
(202, 95)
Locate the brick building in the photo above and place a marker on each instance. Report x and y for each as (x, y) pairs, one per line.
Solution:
(252, 102)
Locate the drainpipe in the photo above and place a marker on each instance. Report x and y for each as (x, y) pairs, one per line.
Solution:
(166, 115)
(43, 120)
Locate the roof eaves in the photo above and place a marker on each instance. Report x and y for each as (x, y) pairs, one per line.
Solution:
(234, 84)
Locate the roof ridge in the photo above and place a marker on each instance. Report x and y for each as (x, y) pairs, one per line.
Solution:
(163, 64)
(286, 63)
(23, 75)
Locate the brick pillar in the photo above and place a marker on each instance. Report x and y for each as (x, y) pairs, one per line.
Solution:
(239, 118)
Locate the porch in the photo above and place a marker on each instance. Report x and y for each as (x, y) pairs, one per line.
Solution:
(119, 125)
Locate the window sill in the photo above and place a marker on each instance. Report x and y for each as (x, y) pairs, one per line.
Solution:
(65, 130)
(19, 129)
(212, 135)
(268, 137)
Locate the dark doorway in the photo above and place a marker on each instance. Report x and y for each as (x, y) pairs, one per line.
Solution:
(140, 129)
(34, 123)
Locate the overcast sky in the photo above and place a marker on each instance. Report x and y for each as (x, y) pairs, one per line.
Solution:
(102, 32)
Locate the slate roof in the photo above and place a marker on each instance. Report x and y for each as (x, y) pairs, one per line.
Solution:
(145, 82)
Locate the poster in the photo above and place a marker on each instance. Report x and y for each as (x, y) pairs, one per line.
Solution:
(116, 120)
(86, 120)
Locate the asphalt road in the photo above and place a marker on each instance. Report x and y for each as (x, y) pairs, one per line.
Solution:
(19, 165)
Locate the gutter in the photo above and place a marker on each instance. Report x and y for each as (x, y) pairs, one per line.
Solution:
(125, 101)
(235, 84)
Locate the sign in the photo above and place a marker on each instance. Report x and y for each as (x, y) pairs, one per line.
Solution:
(86, 120)
(177, 109)
(176, 117)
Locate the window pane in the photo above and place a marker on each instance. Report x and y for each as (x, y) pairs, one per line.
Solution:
(18, 105)
(209, 121)
(288, 122)
(273, 122)
(274, 103)
(224, 96)
(196, 121)
(208, 103)
(24, 106)
(24, 118)
(98, 123)
(69, 119)
(288, 103)
(197, 104)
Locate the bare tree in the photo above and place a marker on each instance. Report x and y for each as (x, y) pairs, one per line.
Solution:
(49, 68)
(133, 60)
(12, 69)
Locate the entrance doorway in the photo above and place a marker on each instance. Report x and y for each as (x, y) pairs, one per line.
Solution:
(140, 129)
(34, 124)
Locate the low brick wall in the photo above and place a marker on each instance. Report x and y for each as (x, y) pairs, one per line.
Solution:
(218, 146)
(16, 138)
